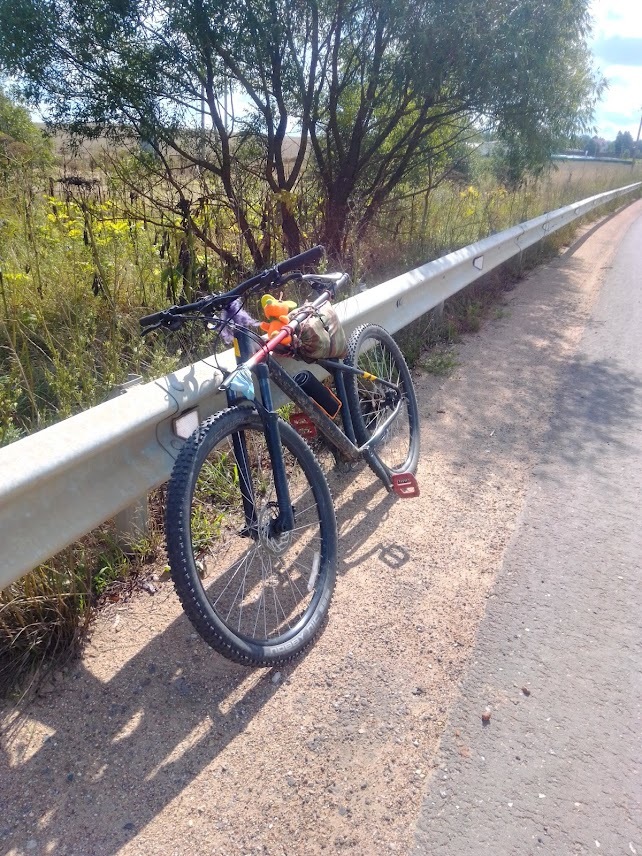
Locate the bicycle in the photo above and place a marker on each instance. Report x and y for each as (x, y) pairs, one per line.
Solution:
(250, 523)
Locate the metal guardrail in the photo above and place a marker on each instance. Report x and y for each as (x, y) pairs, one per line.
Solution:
(62, 482)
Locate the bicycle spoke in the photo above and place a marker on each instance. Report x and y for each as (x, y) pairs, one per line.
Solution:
(256, 591)
(373, 351)
(270, 561)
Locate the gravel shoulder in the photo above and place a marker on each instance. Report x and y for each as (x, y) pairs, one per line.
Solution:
(152, 744)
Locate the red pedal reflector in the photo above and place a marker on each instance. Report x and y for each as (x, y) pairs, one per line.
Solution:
(405, 485)
(304, 425)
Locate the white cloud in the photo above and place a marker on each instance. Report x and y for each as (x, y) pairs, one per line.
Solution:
(621, 105)
(616, 18)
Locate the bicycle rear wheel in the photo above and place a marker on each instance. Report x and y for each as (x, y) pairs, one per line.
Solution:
(257, 597)
(373, 350)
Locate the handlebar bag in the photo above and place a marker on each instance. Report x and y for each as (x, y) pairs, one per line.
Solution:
(321, 336)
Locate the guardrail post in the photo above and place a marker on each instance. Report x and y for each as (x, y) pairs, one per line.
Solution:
(132, 523)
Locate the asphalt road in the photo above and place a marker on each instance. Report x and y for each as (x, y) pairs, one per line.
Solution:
(557, 665)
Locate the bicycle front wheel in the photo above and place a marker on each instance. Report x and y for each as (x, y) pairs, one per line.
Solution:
(256, 596)
(373, 350)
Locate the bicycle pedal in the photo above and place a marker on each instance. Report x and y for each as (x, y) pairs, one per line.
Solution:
(303, 425)
(404, 485)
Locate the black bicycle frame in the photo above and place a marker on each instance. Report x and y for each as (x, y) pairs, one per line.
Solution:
(285, 520)
(343, 441)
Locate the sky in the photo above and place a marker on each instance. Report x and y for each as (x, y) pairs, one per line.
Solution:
(617, 48)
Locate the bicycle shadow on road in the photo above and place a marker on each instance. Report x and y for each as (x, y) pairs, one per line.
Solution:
(361, 511)
(113, 763)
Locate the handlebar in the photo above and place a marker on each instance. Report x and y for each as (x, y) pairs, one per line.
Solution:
(309, 257)
(155, 319)
(168, 317)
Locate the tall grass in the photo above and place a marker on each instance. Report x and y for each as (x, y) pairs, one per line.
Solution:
(418, 227)
(74, 276)
(79, 264)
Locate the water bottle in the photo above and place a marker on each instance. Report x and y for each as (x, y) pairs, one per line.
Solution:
(318, 392)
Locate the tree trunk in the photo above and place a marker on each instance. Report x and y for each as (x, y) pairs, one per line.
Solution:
(335, 228)
(290, 228)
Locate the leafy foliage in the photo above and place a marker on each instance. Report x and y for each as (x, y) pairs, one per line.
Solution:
(623, 145)
(22, 144)
(376, 91)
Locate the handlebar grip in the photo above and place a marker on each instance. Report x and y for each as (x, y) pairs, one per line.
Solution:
(154, 318)
(309, 257)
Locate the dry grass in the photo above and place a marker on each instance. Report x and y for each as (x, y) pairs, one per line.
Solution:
(45, 616)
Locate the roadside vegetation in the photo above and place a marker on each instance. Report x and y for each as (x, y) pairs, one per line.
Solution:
(180, 178)
(79, 265)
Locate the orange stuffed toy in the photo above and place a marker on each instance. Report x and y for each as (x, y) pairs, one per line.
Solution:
(276, 312)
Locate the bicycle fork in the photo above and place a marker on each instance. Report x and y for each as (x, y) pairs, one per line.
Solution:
(284, 521)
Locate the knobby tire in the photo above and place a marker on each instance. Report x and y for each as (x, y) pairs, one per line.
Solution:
(373, 349)
(234, 580)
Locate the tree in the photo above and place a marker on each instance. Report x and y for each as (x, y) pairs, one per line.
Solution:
(162, 73)
(375, 90)
(623, 144)
(22, 144)
(406, 81)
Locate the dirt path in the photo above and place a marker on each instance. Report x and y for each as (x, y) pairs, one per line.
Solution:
(154, 745)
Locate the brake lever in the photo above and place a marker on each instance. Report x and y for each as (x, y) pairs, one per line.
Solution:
(331, 282)
(169, 322)
(147, 330)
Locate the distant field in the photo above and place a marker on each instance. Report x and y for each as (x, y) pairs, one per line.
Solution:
(595, 172)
